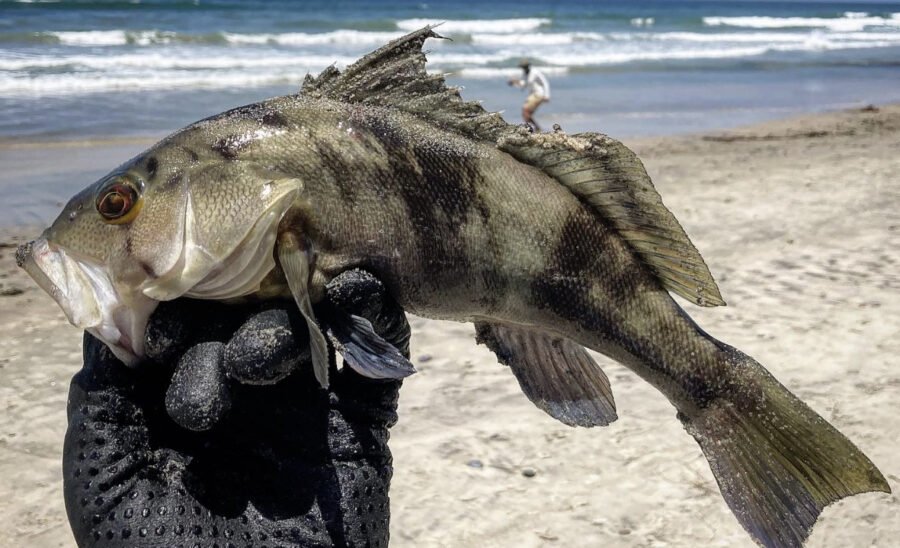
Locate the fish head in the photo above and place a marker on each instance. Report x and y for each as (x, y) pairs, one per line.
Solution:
(165, 225)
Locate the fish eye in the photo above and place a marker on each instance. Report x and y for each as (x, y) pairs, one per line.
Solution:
(119, 203)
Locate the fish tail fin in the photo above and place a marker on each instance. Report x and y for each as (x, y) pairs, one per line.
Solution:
(777, 462)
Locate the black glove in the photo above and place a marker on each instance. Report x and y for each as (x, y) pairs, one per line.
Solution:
(236, 445)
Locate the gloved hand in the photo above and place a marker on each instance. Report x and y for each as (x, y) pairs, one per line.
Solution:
(226, 439)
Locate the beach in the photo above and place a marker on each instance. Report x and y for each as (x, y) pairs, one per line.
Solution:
(798, 221)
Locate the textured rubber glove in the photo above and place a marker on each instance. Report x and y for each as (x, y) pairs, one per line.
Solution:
(225, 438)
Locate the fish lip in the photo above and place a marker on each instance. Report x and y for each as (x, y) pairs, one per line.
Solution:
(23, 252)
(89, 298)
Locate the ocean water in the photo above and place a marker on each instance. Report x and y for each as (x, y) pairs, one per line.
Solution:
(91, 68)
(126, 72)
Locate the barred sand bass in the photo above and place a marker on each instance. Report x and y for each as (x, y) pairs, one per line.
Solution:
(549, 243)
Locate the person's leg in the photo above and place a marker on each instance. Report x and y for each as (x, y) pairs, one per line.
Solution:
(528, 109)
(528, 117)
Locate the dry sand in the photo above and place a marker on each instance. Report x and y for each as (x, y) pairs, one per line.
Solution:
(799, 221)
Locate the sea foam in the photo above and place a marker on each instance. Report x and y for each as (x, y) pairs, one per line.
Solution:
(504, 26)
(856, 21)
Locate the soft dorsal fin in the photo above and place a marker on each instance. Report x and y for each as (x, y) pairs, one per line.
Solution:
(394, 76)
(611, 178)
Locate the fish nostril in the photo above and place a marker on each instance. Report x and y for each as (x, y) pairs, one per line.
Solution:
(22, 253)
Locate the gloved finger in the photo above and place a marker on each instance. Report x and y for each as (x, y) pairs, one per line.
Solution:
(268, 346)
(199, 395)
(177, 325)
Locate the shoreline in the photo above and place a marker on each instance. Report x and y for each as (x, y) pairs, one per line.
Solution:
(12, 143)
(148, 139)
(797, 220)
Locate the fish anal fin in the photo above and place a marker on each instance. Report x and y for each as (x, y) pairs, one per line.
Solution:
(294, 260)
(556, 374)
(610, 178)
(394, 76)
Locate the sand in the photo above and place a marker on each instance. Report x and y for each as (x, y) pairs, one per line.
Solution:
(798, 221)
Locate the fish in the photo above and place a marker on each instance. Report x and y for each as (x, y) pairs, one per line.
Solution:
(549, 243)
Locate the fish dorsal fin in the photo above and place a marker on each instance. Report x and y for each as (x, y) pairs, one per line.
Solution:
(610, 177)
(394, 76)
(556, 374)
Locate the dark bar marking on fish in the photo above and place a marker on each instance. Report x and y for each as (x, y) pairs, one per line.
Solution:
(335, 164)
(567, 281)
(261, 114)
(387, 133)
(560, 288)
(273, 118)
(152, 166)
(229, 147)
(253, 111)
(496, 283)
(440, 192)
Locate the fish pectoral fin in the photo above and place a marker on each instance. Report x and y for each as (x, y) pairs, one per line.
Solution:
(294, 261)
(556, 374)
(364, 350)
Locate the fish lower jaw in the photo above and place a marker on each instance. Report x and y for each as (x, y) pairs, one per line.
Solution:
(123, 330)
(122, 348)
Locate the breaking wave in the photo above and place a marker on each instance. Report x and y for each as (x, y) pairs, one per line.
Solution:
(500, 26)
(348, 37)
(48, 62)
(849, 22)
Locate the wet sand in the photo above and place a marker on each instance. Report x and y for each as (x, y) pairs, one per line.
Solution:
(799, 221)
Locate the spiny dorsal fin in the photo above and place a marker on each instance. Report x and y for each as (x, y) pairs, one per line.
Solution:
(611, 178)
(394, 76)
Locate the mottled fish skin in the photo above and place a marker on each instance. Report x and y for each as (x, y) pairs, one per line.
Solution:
(459, 230)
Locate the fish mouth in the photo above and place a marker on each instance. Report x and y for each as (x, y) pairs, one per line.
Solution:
(89, 298)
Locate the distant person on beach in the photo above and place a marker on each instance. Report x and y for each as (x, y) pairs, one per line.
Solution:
(538, 91)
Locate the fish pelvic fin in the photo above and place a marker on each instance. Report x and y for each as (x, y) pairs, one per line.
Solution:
(294, 259)
(394, 76)
(777, 462)
(611, 179)
(556, 374)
